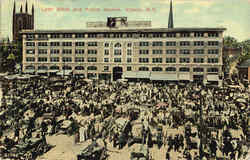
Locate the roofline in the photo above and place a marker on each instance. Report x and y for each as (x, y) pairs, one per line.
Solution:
(126, 30)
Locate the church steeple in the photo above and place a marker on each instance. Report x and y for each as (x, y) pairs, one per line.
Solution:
(14, 9)
(32, 9)
(21, 9)
(26, 7)
(170, 18)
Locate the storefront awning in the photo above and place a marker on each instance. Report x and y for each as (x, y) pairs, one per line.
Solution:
(64, 72)
(29, 71)
(143, 74)
(184, 77)
(53, 71)
(213, 77)
(163, 77)
(42, 71)
(129, 74)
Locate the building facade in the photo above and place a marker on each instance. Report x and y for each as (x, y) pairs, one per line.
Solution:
(189, 54)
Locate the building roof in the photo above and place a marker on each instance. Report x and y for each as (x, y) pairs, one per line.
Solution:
(126, 30)
(245, 64)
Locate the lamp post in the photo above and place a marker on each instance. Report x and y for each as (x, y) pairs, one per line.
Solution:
(201, 124)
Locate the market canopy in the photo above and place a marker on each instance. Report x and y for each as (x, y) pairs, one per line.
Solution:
(163, 77)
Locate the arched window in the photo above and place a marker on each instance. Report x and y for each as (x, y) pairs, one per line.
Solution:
(143, 69)
(184, 69)
(117, 45)
(170, 69)
(157, 69)
(54, 68)
(92, 68)
(30, 67)
(42, 67)
(67, 68)
(79, 68)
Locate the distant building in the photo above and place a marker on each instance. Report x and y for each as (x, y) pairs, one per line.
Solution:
(244, 70)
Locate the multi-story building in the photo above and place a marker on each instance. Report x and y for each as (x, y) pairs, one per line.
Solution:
(155, 53)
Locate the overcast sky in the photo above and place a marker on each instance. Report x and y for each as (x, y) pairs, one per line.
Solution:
(231, 14)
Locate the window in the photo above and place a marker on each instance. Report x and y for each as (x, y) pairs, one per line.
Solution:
(129, 68)
(92, 51)
(117, 52)
(67, 35)
(198, 43)
(92, 68)
(42, 51)
(143, 60)
(30, 67)
(184, 43)
(170, 35)
(106, 52)
(129, 44)
(184, 60)
(79, 43)
(30, 43)
(30, 51)
(213, 51)
(106, 59)
(106, 68)
(67, 43)
(55, 36)
(198, 60)
(144, 35)
(67, 51)
(185, 34)
(42, 44)
(92, 35)
(117, 60)
(118, 35)
(106, 45)
(143, 51)
(129, 60)
(106, 35)
(199, 51)
(157, 35)
(79, 59)
(117, 45)
(212, 60)
(184, 69)
(42, 68)
(80, 35)
(92, 43)
(156, 60)
(129, 52)
(198, 34)
(213, 43)
(144, 44)
(157, 43)
(79, 68)
(42, 59)
(54, 59)
(170, 60)
(170, 69)
(171, 51)
(171, 43)
(30, 59)
(129, 35)
(158, 51)
(198, 69)
(156, 69)
(54, 68)
(54, 51)
(212, 70)
(79, 51)
(213, 34)
(54, 43)
(143, 69)
(67, 59)
(92, 59)
(184, 51)
(42, 36)
(30, 36)
(67, 68)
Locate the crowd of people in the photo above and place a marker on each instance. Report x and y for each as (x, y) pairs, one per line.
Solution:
(212, 117)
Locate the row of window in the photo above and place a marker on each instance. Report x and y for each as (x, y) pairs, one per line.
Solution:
(125, 35)
(61, 44)
(129, 60)
(181, 43)
(119, 51)
(129, 68)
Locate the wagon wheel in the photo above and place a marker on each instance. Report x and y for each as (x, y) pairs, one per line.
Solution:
(28, 156)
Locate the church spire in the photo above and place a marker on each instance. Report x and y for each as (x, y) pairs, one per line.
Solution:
(26, 7)
(21, 9)
(32, 9)
(14, 9)
(170, 18)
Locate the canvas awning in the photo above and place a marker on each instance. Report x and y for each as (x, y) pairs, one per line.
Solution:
(129, 74)
(184, 77)
(213, 77)
(42, 71)
(64, 72)
(163, 77)
(53, 71)
(143, 74)
(29, 71)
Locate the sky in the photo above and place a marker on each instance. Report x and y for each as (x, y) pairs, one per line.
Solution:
(234, 15)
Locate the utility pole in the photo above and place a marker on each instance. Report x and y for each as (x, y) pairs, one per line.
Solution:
(201, 126)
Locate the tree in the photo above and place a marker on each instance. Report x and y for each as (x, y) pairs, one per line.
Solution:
(230, 42)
